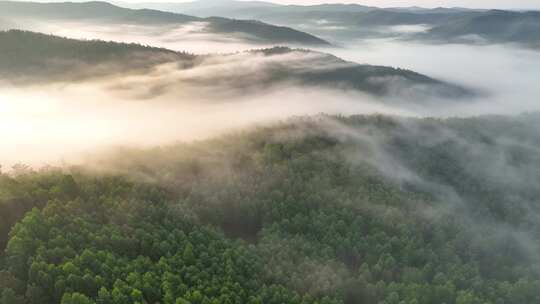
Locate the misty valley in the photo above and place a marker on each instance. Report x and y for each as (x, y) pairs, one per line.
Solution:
(223, 151)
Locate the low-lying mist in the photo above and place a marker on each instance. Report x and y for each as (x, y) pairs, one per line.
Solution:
(478, 172)
(508, 74)
(48, 123)
(62, 122)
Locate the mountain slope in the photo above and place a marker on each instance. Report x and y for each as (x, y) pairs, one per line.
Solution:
(328, 210)
(32, 57)
(29, 56)
(295, 14)
(493, 26)
(101, 12)
(331, 71)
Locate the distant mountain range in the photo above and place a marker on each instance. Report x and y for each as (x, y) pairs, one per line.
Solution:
(492, 26)
(298, 24)
(27, 57)
(342, 22)
(258, 9)
(101, 13)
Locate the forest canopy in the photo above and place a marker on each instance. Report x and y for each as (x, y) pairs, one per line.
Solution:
(361, 209)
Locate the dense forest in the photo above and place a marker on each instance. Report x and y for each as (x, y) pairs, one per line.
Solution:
(361, 209)
(28, 56)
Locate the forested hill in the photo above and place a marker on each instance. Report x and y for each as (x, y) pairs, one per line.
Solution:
(27, 57)
(493, 26)
(330, 71)
(365, 209)
(30, 44)
(30, 56)
(101, 13)
(94, 10)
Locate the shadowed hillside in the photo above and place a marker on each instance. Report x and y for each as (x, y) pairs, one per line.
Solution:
(27, 57)
(103, 12)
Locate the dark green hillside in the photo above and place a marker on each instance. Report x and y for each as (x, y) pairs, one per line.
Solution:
(320, 69)
(366, 209)
(33, 56)
(27, 57)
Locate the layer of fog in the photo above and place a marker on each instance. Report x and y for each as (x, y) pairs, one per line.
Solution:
(489, 160)
(48, 123)
(64, 122)
(507, 74)
(342, 34)
(193, 37)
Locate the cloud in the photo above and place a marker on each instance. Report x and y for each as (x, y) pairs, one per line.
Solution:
(506, 74)
(50, 123)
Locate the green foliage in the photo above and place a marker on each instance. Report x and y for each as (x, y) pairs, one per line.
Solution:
(28, 56)
(76, 298)
(8, 296)
(366, 209)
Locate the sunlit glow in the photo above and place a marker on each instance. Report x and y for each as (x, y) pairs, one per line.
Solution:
(48, 124)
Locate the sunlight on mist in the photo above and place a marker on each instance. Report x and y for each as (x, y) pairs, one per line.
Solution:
(47, 124)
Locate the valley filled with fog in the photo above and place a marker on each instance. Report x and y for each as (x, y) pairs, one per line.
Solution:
(80, 116)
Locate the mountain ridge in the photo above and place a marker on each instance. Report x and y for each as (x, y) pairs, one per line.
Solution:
(342, 22)
(50, 56)
(99, 12)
